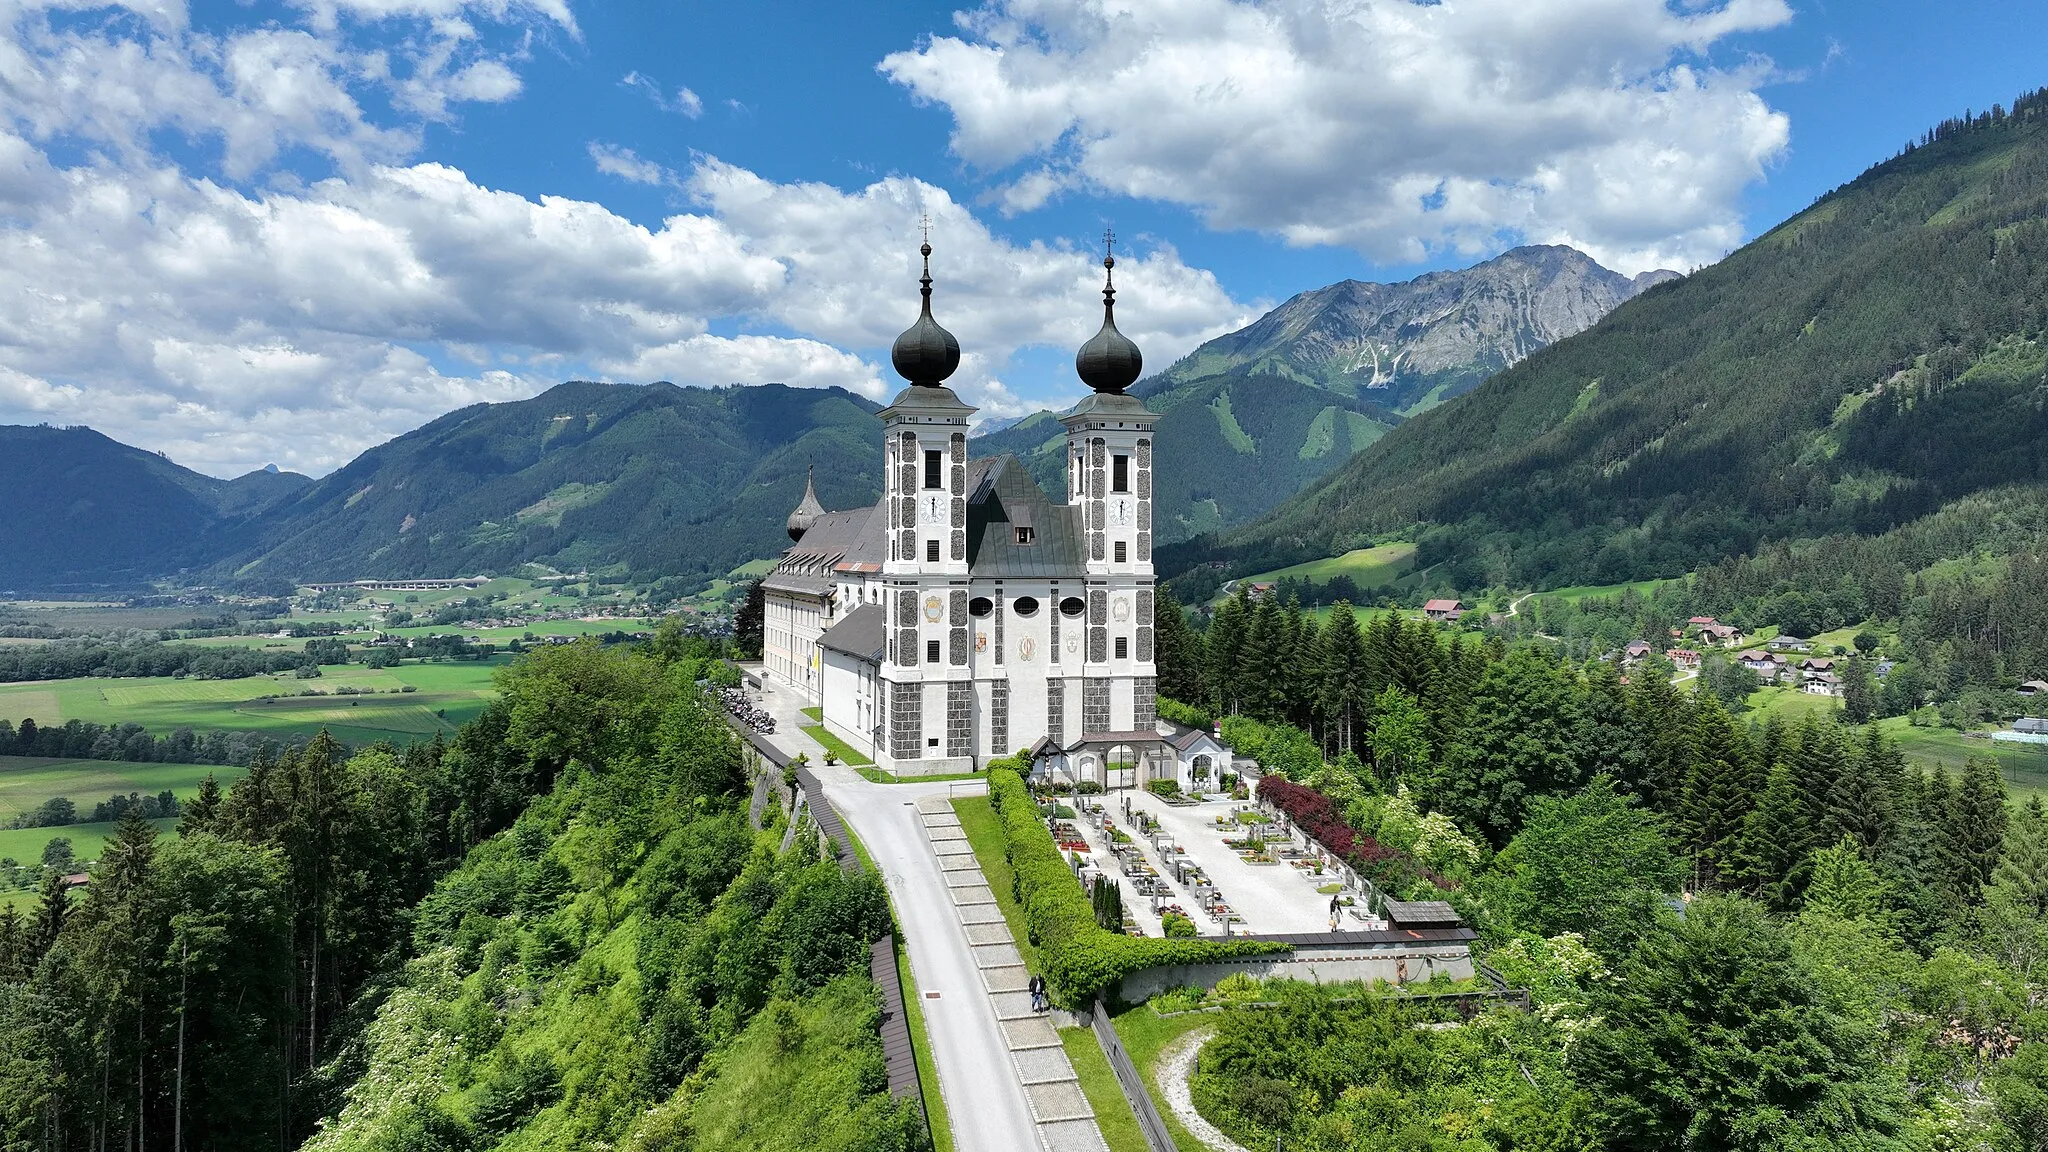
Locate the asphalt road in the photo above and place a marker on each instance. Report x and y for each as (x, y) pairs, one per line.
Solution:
(984, 1096)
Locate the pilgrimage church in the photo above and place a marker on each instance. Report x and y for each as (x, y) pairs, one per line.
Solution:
(967, 614)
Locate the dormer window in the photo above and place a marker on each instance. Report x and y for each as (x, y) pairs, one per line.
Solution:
(1023, 534)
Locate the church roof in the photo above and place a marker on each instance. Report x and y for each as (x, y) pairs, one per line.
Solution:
(863, 634)
(1001, 497)
(832, 539)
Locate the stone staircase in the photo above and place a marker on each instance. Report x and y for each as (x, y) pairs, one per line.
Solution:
(1065, 1121)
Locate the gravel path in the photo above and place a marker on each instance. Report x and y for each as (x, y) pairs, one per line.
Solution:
(1176, 1064)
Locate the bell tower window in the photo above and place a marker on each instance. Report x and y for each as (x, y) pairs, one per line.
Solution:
(934, 471)
(931, 551)
(1120, 473)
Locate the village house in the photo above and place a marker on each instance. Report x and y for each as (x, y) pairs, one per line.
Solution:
(1444, 611)
(1719, 635)
(1822, 684)
(1768, 665)
(1682, 657)
(1788, 644)
(2034, 688)
(1636, 652)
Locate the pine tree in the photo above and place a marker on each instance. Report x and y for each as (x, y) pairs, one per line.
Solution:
(1606, 743)
(1339, 702)
(1844, 884)
(1860, 806)
(53, 909)
(1661, 723)
(2021, 878)
(1859, 698)
(1179, 652)
(1817, 762)
(1913, 863)
(204, 809)
(1771, 853)
(1976, 827)
(1227, 634)
(1263, 688)
(1720, 793)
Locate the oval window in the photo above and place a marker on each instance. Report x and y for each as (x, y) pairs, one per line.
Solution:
(1025, 605)
(980, 606)
(1073, 606)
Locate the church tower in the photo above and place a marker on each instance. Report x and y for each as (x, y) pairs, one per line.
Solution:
(1109, 478)
(924, 456)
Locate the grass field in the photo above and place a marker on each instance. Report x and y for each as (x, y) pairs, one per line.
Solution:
(1098, 1083)
(1145, 1034)
(1791, 703)
(25, 845)
(1580, 592)
(2025, 767)
(27, 781)
(445, 695)
(1367, 567)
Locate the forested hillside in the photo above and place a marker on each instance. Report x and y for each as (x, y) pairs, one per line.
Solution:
(81, 509)
(1865, 363)
(558, 931)
(657, 480)
(1250, 418)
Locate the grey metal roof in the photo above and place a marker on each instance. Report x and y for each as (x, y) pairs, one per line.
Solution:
(808, 565)
(1413, 913)
(1001, 495)
(863, 634)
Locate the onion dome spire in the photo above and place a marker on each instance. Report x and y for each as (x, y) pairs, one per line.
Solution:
(1109, 362)
(806, 513)
(925, 354)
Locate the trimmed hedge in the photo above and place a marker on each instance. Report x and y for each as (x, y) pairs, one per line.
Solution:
(1081, 961)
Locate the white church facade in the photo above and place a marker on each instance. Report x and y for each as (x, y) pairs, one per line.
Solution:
(967, 614)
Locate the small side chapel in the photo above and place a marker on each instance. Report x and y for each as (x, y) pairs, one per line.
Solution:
(967, 615)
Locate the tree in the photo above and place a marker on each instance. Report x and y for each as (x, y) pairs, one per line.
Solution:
(1720, 792)
(750, 619)
(1859, 695)
(1341, 701)
(1226, 652)
(1179, 653)
(1400, 735)
(2021, 877)
(1524, 716)
(1595, 863)
(201, 812)
(1844, 884)
(1712, 1040)
(1975, 827)
(1770, 856)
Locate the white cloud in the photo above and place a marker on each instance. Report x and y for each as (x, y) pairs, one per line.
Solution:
(238, 312)
(683, 103)
(626, 164)
(1393, 127)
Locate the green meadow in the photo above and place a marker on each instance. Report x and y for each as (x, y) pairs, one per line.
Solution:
(444, 696)
(27, 781)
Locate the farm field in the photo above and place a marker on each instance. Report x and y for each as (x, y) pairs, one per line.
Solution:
(2025, 767)
(1580, 592)
(27, 781)
(1367, 567)
(25, 845)
(1791, 703)
(446, 695)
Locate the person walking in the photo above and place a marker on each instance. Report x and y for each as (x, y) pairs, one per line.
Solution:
(1333, 913)
(1037, 989)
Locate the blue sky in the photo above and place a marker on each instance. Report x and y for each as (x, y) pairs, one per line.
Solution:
(254, 232)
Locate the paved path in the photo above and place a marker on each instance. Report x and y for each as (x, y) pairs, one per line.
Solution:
(984, 1088)
(1065, 1120)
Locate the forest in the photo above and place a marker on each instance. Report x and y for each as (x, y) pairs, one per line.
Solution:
(556, 930)
(1740, 933)
(1874, 359)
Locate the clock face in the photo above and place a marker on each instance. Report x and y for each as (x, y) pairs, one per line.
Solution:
(1123, 513)
(931, 509)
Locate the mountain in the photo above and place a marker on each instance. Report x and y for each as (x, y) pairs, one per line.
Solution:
(1874, 358)
(1409, 346)
(1250, 418)
(85, 510)
(653, 480)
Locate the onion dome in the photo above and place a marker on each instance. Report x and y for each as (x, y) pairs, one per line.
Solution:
(926, 354)
(1109, 362)
(806, 513)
